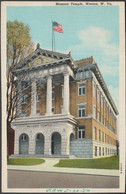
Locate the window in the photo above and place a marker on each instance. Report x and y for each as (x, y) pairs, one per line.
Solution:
(95, 133)
(102, 118)
(38, 112)
(81, 110)
(105, 122)
(25, 99)
(24, 112)
(106, 151)
(103, 151)
(62, 91)
(53, 93)
(99, 151)
(95, 112)
(99, 135)
(23, 137)
(94, 90)
(81, 132)
(101, 101)
(81, 89)
(98, 116)
(95, 150)
(98, 95)
(103, 136)
(38, 97)
(53, 109)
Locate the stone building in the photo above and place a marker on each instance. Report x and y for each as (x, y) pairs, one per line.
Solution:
(64, 107)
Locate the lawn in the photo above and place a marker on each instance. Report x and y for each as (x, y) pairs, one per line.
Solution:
(25, 161)
(101, 163)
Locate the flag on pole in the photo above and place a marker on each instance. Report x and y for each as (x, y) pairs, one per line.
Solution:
(57, 27)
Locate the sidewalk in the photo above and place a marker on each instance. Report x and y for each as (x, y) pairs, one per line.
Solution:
(47, 166)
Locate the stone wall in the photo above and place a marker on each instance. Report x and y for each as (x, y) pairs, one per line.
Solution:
(82, 148)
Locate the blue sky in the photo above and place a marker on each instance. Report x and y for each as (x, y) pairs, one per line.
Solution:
(88, 31)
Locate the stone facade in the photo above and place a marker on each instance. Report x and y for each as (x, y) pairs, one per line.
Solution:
(64, 108)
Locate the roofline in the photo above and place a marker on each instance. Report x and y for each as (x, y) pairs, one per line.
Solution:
(41, 65)
(35, 53)
(105, 88)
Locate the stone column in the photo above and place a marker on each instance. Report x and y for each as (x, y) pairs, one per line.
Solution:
(32, 144)
(66, 93)
(49, 96)
(65, 150)
(33, 98)
(19, 98)
(47, 145)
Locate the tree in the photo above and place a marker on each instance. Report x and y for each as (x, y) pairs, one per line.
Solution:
(19, 45)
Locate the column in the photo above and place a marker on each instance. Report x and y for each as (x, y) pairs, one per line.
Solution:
(65, 149)
(49, 96)
(66, 93)
(19, 98)
(47, 145)
(32, 144)
(33, 98)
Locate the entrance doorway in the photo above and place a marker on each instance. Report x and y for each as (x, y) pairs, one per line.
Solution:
(23, 144)
(56, 144)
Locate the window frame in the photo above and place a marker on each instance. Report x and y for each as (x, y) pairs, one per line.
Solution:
(37, 99)
(94, 111)
(96, 151)
(53, 93)
(95, 133)
(82, 89)
(81, 132)
(25, 99)
(80, 110)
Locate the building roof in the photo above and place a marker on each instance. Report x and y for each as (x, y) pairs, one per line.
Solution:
(43, 52)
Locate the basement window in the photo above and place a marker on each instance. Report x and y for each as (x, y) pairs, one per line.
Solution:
(95, 150)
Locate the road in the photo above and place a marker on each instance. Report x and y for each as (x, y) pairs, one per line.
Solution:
(29, 179)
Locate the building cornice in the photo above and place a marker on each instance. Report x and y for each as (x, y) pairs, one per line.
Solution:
(94, 68)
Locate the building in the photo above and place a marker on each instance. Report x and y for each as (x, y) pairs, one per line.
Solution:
(63, 107)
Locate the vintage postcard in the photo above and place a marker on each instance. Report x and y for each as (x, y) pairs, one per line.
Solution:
(63, 96)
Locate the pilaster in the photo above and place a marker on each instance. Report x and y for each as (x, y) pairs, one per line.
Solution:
(66, 93)
(49, 96)
(33, 98)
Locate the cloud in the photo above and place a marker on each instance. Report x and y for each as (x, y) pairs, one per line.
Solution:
(96, 38)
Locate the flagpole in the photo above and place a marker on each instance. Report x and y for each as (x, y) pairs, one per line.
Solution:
(52, 35)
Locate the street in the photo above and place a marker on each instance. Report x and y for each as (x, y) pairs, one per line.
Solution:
(29, 179)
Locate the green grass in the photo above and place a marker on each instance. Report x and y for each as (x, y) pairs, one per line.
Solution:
(25, 161)
(101, 163)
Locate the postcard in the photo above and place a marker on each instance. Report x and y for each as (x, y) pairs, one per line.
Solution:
(63, 96)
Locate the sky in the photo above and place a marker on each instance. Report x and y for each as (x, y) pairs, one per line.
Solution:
(88, 31)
